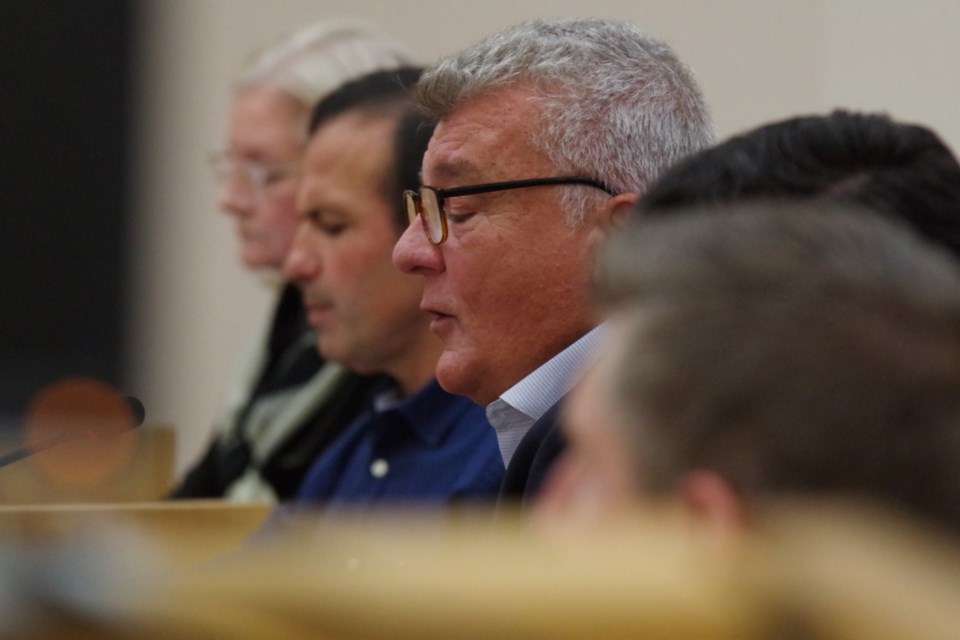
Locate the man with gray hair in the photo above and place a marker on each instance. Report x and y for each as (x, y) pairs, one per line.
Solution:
(285, 404)
(547, 135)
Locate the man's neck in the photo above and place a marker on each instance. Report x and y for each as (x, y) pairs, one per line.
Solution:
(418, 367)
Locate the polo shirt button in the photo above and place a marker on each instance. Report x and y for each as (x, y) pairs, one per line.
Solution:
(379, 468)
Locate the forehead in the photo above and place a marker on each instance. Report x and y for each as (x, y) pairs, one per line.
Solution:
(351, 151)
(266, 117)
(489, 137)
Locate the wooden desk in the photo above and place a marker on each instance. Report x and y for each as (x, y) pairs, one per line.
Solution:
(147, 475)
(808, 573)
(187, 533)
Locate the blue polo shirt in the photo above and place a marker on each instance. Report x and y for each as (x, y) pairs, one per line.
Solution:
(432, 447)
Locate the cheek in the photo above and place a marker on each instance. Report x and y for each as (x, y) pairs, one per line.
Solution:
(479, 280)
(341, 273)
(397, 294)
(279, 214)
(378, 310)
(498, 274)
(577, 495)
(611, 461)
(365, 274)
(601, 446)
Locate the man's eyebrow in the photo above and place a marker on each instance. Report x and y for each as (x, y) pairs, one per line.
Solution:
(323, 212)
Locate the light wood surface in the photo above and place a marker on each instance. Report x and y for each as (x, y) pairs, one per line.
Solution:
(805, 572)
(134, 467)
(182, 534)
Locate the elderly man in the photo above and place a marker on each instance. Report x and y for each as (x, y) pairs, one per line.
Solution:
(419, 444)
(767, 351)
(548, 133)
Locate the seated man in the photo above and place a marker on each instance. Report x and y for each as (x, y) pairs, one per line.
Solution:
(420, 444)
(285, 404)
(547, 134)
(767, 351)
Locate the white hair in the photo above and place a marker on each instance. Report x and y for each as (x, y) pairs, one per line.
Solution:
(616, 105)
(310, 62)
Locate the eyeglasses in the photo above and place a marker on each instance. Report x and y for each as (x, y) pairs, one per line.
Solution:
(252, 176)
(427, 202)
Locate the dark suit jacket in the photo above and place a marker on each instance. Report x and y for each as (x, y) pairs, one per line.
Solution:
(287, 466)
(289, 363)
(533, 459)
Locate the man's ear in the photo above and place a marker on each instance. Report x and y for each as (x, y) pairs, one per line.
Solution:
(618, 209)
(614, 214)
(714, 504)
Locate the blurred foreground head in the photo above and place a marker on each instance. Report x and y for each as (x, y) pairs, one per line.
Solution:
(771, 350)
(274, 93)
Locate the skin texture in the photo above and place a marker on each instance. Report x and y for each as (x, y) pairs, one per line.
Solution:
(266, 126)
(365, 312)
(509, 289)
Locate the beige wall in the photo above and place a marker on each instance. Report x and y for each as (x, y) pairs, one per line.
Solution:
(757, 60)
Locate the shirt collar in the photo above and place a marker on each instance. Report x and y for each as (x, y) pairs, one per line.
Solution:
(543, 388)
(514, 412)
(429, 413)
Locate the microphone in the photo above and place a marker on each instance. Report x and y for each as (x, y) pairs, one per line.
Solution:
(139, 412)
(76, 410)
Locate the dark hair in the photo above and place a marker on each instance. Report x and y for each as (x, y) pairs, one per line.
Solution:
(898, 169)
(376, 92)
(413, 135)
(792, 349)
(385, 94)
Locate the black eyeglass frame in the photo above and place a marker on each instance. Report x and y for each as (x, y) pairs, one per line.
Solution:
(413, 199)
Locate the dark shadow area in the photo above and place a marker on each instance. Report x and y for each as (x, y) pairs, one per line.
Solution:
(64, 165)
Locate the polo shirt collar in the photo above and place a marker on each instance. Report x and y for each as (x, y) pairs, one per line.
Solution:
(430, 413)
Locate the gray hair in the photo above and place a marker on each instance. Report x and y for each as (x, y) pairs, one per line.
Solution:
(617, 105)
(310, 62)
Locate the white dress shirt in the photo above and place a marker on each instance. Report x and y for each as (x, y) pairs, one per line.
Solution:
(515, 411)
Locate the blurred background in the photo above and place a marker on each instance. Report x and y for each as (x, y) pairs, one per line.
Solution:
(117, 263)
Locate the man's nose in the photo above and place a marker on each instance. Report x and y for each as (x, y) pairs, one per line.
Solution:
(234, 196)
(414, 253)
(300, 264)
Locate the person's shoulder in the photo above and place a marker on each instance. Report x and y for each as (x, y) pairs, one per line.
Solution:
(535, 457)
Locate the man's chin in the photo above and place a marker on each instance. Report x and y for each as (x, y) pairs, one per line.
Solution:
(457, 377)
(255, 260)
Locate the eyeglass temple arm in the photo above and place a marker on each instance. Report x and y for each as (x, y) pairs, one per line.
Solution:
(519, 184)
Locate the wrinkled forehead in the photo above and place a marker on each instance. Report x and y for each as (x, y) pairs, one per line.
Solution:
(487, 138)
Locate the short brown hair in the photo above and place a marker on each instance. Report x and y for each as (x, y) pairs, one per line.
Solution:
(791, 349)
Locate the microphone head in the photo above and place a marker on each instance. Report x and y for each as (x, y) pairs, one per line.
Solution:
(139, 412)
(81, 431)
